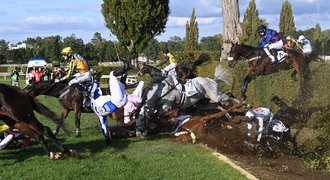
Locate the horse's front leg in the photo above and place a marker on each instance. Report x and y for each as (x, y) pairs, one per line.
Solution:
(245, 85)
(77, 111)
(294, 75)
(64, 114)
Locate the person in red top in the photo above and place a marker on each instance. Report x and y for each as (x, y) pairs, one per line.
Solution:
(35, 75)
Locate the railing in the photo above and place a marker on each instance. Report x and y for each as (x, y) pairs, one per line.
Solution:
(131, 79)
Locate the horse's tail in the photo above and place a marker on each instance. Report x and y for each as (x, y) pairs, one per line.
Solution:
(42, 109)
(201, 59)
(223, 75)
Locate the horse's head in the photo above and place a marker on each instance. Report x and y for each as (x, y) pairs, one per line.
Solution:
(143, 70)
(234, 54)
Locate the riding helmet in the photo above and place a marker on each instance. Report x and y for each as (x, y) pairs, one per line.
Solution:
(67, 51)
(262, 28)
(301, 37)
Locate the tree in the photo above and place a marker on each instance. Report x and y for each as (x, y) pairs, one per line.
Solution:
(317, 39)
(211, 43)
(192, 34)
(134, 23)
(250, 24)
(3, 50)
(287, 26)
(232, 31)
(152, 50)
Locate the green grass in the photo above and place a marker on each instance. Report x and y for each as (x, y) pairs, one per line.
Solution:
(153, 158)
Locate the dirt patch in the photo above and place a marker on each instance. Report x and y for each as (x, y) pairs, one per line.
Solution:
(230, 142)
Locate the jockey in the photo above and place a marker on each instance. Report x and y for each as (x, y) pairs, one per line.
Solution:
(306, 45)
(270, 41)
(133, 101)
(10, 135)
(263, 117)
(291, 43)
(77, 65)
(169, 58)
(103, 105)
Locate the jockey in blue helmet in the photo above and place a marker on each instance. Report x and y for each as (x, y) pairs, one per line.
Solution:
(270, 41)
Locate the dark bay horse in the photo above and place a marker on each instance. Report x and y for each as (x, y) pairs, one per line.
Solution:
(16, 110)
(70, 98)
(184, 71)
(260, 64)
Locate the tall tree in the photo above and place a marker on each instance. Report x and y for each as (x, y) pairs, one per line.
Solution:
(317, 39)
(192, 34)
(250, 24)
(287, 26)
(232, 31)
(134, 23)
(3, 50)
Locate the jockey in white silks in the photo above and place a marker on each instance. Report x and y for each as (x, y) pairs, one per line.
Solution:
(263, 117)
(306, 45)
(103, 105)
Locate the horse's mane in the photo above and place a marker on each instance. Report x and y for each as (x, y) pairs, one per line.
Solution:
(151, 67)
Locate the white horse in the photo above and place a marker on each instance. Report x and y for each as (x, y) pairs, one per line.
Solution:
(167, 94)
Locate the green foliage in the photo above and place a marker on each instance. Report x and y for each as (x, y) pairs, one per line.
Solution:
(190, 56)
(250, 24)
(192, 34)
(134, 23)
(211, 43)
(287, 25)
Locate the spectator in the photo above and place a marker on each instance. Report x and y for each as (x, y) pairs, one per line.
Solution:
(14, 78)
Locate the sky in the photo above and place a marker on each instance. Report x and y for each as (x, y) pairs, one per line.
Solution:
(20, 19)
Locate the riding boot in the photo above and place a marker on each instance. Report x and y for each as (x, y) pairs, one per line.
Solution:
(274, 54)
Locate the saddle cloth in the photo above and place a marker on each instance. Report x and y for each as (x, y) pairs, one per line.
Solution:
(190, 87)
(281, 56)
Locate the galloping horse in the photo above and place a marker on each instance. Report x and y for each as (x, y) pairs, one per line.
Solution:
(260, 64)
(16, 110)
(70, 99)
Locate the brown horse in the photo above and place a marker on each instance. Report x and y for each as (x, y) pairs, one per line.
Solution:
(195, 128)
(16, 110)
(70, 98)
(260, 64)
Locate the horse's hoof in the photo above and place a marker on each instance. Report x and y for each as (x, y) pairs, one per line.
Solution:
(78, 134)
(55, 156)
(55, 132)
(72, 153)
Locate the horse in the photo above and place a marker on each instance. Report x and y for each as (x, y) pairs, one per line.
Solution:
(194, 128)
(70, 98)
(16, 110)
(260, 64)
(183, 71)
(165, 95)
(155, 73)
